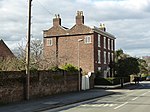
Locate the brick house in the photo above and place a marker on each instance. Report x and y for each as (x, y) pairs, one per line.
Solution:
(5, 51)
(92, 49)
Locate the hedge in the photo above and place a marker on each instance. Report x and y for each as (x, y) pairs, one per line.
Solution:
(110, 81)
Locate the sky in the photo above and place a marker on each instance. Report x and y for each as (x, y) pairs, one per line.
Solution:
(127, 20)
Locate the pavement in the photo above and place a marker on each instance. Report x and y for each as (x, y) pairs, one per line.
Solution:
(54, 101)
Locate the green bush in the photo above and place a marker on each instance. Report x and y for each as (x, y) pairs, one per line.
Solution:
(55, 68)
(102, 81)
(69, 68)
(33, 69)
(110, 80)
(144, 75)
(98, 73)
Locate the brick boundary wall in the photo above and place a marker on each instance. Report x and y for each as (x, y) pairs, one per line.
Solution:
(42, 83)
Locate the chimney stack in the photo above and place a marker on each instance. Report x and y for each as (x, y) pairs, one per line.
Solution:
(57, 20)
(79, 18)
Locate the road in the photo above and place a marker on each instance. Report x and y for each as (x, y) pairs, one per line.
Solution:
(125, 100)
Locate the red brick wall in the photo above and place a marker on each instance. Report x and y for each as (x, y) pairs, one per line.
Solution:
(42, 83)
(4, 50)
(102, 49)
(68, 51)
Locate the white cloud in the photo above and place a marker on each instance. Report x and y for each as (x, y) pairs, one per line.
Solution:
(126, 19)
(136, 5)
(13, 20)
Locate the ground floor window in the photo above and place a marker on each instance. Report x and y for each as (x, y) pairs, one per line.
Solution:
(99, 68)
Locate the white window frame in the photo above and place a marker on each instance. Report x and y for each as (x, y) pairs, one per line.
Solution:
(112, 45)
(99, 40)
(99, 56)
(105, 57)
(49, 42)
(108, 44)
(87, 39)
(109, 57)
(104, 42)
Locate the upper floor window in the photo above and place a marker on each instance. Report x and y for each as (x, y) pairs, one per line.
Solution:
(99, 56)
(109, 44)
(105, 42)
(99, 40)
(87, 39)
(112, 45)
(49, 42)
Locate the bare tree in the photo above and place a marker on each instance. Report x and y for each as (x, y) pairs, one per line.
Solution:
(36, 53)
(37, 59)
(11, 64)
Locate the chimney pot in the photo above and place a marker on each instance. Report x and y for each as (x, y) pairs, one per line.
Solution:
(57, 20)
(102, 27)
(79, 17)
